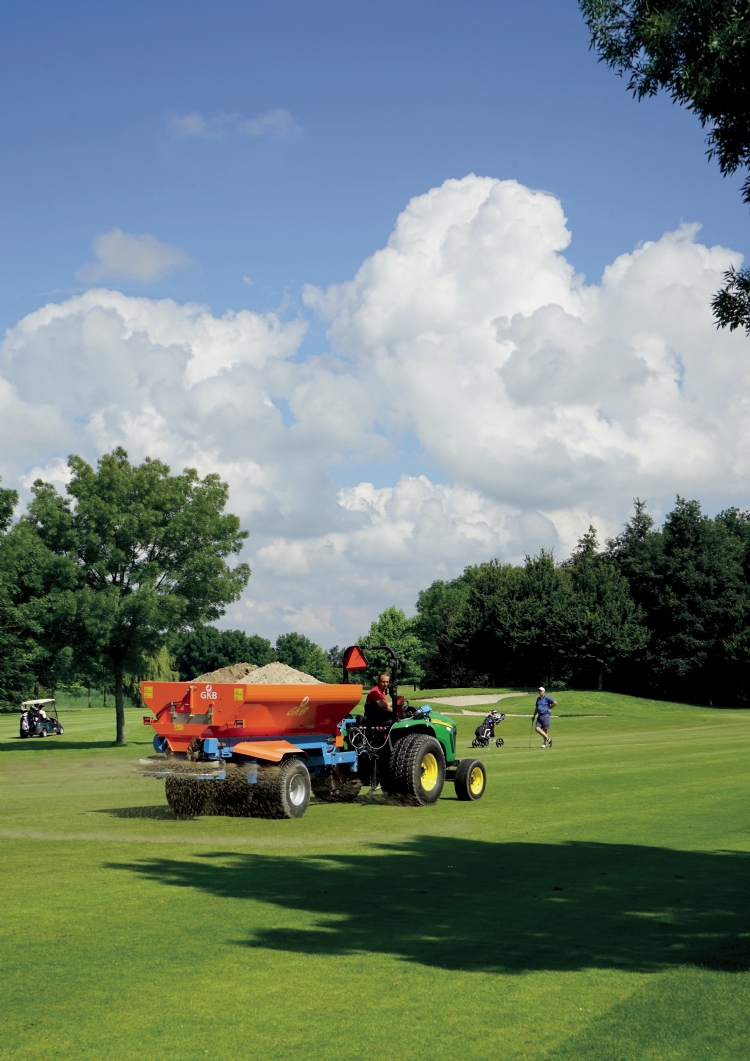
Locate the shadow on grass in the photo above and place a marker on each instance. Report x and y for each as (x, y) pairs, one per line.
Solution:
(34, 744)
(471, 905)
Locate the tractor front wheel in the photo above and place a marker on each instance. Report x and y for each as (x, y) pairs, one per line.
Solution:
(471, 779)
(420, 769)
(282, 791)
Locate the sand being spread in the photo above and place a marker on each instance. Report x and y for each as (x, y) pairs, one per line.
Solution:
(238, 672)
(252, 674)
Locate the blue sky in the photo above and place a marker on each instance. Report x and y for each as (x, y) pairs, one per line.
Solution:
(390, 98)
(385, 412)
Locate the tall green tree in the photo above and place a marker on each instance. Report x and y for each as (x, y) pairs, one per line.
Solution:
(514, 624)
(300, 652)
(699, 52)
(604, 625)
(22, 583)
(207, 649)
(438, 610)
(148, 553)
(690, 580)
(393, 629)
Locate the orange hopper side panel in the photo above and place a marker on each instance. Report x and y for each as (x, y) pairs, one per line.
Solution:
(202, 709)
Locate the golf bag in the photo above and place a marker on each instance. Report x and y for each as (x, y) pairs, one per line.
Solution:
(485, 731)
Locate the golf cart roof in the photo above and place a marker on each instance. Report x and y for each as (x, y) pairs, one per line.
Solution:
(31, 703)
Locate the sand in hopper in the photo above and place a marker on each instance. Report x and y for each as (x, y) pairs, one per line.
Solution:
(250, 674)
(238, 672)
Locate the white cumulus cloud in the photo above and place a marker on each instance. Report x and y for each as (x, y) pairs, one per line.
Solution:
(528, 384)
(546, 402)
(126, 256)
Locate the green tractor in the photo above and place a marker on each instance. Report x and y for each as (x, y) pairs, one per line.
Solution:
(409, 752)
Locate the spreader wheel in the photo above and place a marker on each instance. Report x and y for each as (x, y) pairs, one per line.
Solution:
(471, 779)
(420, 769)
(188, 799)
(282, 791)
(233, 797)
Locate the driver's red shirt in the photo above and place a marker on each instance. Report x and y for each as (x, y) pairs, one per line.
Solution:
(375, 694)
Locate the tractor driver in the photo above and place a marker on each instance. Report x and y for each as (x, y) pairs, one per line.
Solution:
(378, 711)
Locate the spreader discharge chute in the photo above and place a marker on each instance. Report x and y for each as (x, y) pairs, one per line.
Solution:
(261, 750)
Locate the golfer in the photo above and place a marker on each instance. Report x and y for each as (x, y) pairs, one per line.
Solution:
(542, 708)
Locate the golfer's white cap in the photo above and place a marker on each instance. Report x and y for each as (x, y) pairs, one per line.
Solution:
(541, 688)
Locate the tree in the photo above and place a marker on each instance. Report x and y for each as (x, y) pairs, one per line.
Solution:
(393, 629)
(300, 652)
(690, 580)
(605, 627)
(147, 551)
(438, 610)
(699, 52)
(207, 649)
(22, 566)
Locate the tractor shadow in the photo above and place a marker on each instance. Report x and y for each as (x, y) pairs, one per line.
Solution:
(493, 907)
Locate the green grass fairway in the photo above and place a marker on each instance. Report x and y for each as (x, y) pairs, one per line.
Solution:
(593, 906)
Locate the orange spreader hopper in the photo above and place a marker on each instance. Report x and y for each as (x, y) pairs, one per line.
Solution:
(185, 710)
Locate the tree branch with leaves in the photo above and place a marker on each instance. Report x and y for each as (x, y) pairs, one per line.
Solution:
(699, 52)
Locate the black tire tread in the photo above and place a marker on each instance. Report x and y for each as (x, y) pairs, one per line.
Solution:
(406, 765)
(270, 796)
(463, 770)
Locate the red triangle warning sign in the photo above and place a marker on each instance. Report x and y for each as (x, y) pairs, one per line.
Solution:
(354, 658)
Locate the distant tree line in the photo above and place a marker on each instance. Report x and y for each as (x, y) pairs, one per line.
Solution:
(120, 580)
(207, 649)
(659, 611)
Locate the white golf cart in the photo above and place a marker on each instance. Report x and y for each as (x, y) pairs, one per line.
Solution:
(39, 719)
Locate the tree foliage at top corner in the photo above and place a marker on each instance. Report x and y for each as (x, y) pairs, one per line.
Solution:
(699, 52)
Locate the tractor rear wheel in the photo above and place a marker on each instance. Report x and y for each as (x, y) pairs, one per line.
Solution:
(188, 798)
(471, 779)
(282, 791)
(388, 767)
(420, 769)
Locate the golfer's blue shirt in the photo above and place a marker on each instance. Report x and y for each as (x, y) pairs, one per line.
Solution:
(543, 705)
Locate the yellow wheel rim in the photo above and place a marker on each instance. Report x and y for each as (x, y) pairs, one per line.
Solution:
(476, 780)
(430, 772)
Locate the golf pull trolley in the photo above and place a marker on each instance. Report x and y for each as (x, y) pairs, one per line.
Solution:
(485, 731)
(262, 751)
